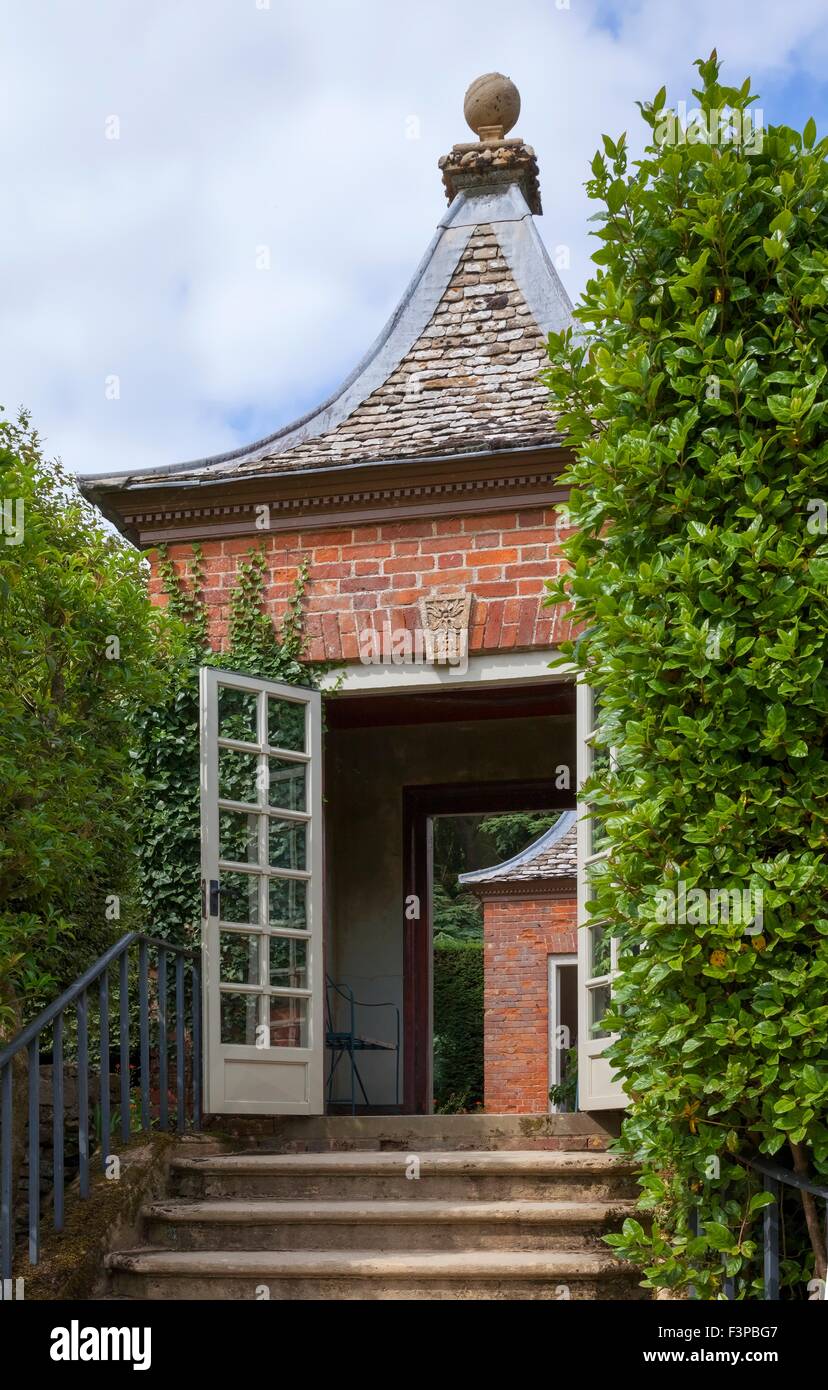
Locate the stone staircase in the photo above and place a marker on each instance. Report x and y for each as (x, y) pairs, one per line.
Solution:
(400, 1207)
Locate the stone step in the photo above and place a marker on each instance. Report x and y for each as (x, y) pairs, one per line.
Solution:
(319, 1133)
(431, 1175)
(382, 1225)
(367, 1274)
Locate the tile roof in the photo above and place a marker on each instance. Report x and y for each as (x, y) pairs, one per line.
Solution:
(468, 383)
(454, 372)
(552, 855)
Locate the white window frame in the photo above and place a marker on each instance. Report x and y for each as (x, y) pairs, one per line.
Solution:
(554, 982)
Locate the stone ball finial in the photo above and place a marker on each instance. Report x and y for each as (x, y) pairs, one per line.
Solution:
(492, 105)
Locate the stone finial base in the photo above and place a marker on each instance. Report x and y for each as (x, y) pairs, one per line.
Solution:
(492, 163)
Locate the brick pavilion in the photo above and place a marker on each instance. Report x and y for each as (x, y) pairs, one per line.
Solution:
(424, 496)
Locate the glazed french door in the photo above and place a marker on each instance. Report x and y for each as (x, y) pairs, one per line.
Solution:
(261, 866)
(598, 1087)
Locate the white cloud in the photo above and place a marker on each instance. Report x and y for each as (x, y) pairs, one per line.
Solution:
(283, 128)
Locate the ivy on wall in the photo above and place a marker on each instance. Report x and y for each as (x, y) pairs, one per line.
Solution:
(695, 399)
(168, 754)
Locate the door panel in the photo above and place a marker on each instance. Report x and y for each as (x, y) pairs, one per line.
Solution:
(598, 1088)
(261, 866)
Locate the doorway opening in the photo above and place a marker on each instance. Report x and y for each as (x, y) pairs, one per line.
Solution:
(395, 765)
(563, 1034)
(462, 992)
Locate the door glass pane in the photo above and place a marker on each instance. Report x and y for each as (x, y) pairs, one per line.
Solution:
(238, 776)
(239, 958)
(239, 1017)
(239, 837)
(600, 763)
(596, 882)
(286, 725)
(600, 952)
(287, 844)
(599, 834)
(288, 1022)
(239, 898)
(599, 1001)
(288, 903)
(288, 963)
(286, 784)
(237, 711)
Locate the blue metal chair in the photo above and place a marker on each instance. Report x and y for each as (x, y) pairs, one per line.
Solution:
(342, 1041)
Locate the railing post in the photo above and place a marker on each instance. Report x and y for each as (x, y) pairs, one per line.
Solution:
(57, 1122)
(124, 1006)
(6, 1176)
(83, 1092)
(34, 1151)
(103, 1009)
(197, 1059)
(143, 1033)
(770, 1231)
(29, 1041)
(163, 1115)
(179, 1042)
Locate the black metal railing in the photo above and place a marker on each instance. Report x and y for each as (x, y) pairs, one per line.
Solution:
(68, 1020)
(775, 1178)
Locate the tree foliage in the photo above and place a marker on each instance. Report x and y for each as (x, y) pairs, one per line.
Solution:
(695, 397)
(513, 831)
(82, 652)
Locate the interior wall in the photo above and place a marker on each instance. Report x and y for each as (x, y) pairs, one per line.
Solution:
(365, 772)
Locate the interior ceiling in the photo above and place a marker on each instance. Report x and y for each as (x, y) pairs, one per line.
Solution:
(549, 699)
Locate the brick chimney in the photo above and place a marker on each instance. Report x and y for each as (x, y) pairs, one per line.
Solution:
(491, 108)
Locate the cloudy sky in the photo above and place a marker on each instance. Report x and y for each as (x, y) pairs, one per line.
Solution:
(211, 206)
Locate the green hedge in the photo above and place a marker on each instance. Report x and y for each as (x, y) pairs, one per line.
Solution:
(458, 1025)
(696, 400)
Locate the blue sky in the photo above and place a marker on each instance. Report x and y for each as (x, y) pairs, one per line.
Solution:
(215, 204)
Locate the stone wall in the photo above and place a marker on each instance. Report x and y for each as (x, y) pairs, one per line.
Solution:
(519, 935)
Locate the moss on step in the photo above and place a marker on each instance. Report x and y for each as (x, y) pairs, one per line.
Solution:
(72, 1261)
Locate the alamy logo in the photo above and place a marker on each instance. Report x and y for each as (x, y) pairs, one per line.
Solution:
(708, 906)
(421, 647)
(76, 1343)
(12, 511)
(725, 126)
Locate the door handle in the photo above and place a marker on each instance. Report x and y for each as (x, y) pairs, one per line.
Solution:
(214, 897)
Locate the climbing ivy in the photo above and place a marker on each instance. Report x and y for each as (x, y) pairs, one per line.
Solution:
(185, 601)
(694, 396)
(168, 755)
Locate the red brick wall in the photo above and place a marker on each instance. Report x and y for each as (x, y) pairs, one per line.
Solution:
(367, 576)
(518, 936)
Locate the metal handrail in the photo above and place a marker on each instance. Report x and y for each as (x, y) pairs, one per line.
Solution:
(76, 996)
(779, 1174)
(774, 1177)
